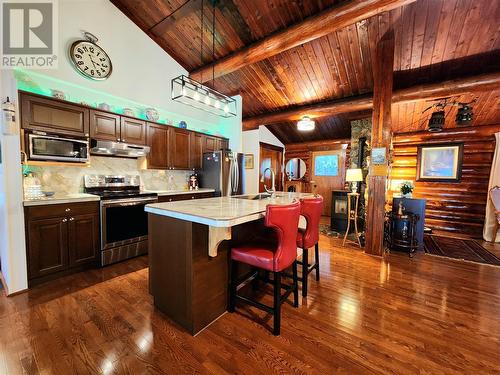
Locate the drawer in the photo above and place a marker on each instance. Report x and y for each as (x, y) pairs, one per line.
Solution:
(62, 209)
(183, 197)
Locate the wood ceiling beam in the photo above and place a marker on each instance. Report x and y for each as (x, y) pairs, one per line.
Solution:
(314, 27)
(430, 91)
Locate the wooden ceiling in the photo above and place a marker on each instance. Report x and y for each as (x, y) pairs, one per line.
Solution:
(435, 40)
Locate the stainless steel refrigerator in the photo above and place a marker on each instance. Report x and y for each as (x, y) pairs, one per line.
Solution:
(223, 171)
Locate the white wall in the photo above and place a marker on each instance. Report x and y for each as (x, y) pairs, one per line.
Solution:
(251, 145)
(141, 77)
(12, 239)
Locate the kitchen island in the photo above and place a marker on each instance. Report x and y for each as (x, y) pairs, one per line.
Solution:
(189, 244)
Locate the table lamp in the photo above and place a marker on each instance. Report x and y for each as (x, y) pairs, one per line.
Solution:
(354, 175)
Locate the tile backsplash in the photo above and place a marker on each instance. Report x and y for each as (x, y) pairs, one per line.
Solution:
(69, 180)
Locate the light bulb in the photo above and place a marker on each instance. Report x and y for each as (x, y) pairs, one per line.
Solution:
(217, 104)
(196, 96)
(184, 91)
(226, 108)
(207, 100)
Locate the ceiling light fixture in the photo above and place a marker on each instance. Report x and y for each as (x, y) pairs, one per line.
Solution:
(305, 124)
(195, 94)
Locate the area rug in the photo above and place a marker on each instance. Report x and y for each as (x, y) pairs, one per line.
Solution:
(458, 248)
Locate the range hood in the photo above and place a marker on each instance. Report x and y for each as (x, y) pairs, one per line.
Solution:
(123, 150)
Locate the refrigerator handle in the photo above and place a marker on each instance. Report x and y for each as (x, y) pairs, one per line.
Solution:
(236, 175)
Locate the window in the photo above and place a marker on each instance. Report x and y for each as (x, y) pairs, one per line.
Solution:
(326, 165)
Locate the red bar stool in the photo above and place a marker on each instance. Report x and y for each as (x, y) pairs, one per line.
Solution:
(275, 258)
(311, 209)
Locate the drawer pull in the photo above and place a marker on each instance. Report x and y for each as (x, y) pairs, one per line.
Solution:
(71, 219)
(64, 220)
(67, 209)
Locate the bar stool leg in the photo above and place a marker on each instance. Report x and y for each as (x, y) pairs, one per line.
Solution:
(295, 285)
(316, 258)
(277, 304)
(233, 286)
(305, 270)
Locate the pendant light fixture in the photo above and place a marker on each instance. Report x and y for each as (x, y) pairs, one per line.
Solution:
(193, 93)
(305, 124)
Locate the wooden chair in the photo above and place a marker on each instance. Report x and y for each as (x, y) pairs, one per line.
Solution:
(495, 198)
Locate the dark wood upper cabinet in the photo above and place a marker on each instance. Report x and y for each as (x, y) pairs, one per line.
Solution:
(196, 148)
(178, 148)
(53, 116)
(222, 143)
(158, 141)
(133, 131)
(104, 126)
(83, 239)
(209, 143)
(47, 241)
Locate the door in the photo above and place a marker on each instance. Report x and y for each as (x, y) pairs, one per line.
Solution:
(327, 174)
(196, 148)
(270, 157)
(83, 239)
(133, 131)
(158, 141)
(178, 149)
(104, 126)
(47, 246)
(209, 143)
(54, 116)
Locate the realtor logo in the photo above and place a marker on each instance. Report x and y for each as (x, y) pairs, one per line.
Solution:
(29, 34)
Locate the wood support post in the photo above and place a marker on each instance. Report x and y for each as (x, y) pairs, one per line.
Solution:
(381, 137)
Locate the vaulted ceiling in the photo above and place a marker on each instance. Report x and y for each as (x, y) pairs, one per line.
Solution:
(435, 40)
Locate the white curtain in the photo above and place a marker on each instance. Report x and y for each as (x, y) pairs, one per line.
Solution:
(489, 222)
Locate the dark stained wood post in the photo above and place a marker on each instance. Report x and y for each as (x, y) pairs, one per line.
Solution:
(381, 137)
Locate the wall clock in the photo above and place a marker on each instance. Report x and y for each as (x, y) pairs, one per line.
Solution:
(89, 59)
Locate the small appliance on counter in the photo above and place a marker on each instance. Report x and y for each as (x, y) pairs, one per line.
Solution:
(124, 223)
(223, 171)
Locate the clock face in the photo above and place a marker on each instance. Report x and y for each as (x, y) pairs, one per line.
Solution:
(90, 60)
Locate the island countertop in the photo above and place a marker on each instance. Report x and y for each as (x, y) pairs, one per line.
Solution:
(222, 212)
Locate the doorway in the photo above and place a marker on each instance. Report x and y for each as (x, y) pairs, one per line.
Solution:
(271, 156)
(328, 174)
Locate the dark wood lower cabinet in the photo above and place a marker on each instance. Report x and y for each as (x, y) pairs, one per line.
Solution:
(61, 239)
(182, 197)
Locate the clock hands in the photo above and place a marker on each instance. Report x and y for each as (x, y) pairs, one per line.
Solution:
(93, 62)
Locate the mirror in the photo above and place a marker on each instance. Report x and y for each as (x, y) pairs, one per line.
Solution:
(295, 169)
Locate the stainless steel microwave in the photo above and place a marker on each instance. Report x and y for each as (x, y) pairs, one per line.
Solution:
(49, 147)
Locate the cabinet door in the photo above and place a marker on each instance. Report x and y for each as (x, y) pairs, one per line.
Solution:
(223, 143)
(53, 116)
(104, 126)
(158, 141)
(83, 239)
(47, 246)
(209, 143)
(196, 148)
(178, 150)
(133, 131)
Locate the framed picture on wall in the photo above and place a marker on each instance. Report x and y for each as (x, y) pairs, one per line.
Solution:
(440, 162)
(249, 164)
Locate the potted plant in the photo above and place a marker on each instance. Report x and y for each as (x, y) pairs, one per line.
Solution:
(407, 189)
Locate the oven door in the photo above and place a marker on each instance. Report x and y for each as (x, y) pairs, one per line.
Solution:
(124, 221)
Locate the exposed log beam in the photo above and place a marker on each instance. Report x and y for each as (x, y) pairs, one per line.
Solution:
(314, 27)
(380, 138)
(483, 82)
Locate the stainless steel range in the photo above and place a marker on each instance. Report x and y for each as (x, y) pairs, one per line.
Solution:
(124, 223)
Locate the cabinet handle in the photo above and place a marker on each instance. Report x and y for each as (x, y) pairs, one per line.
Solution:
(192, 197)
(71, 219)
(67, 209)
(170, 200)
(64, 220)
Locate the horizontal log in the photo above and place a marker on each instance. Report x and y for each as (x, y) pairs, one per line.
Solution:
(483, 82)
(314, 27)
(463, 134)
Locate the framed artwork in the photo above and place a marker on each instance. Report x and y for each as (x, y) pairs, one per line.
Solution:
(378, 156)
(249, 161)
(440, 162)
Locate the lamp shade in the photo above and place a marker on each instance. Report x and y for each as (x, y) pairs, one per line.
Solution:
(354, 175)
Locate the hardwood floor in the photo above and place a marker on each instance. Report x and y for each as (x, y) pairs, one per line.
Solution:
(366, 315)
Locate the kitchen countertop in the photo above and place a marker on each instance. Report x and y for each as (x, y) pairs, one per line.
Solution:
(162, 193)
(222, 212)
(61, 198)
